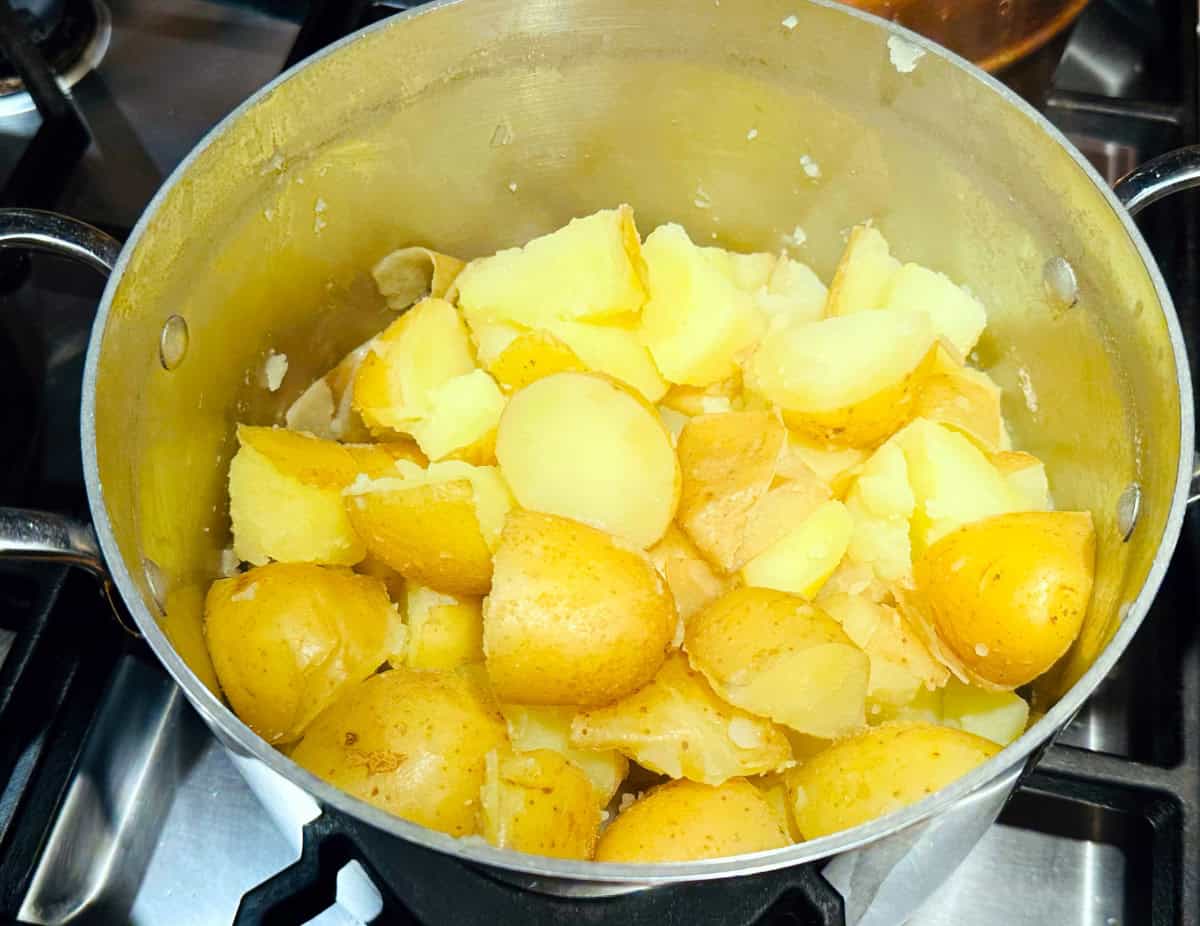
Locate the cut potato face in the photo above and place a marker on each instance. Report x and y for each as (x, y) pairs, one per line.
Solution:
(288, 639)
(966, 400)
(574, 617)
(777, 656)
(528, 357)
(531, 728)
(538, 802)
(616, 351)
(591, 269)
(750, 272)
(677, 726)
(802, 559)
(463, 418)
(957, 315)
(583, 447)
(1026, 476)
(683, 821)
(692, 581)
(835, 466)
(1005, 597)
(414, 743)
(864, 273)
(999, 716)
(792, 296)
(878, 771)
(880, 502)
(408, 275)
(697, 321)
(444, 631)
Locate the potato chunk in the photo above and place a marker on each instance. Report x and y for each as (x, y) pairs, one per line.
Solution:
(287, 639)
(1000, 716)
(880, 502)
(1006, 596)
(677, 726)
(528, 357)
(777, 656)
(793, 295)
(583, 447)
(591, 269)
(864, 273)
(531, 728)
(413, 743)
(803, 558)
(878, 771)
(1026, 476)
(444, 631)
(462, 420)
(616, 351)
(574, 617)
(681, 821)
(435, 526)
(538, 802)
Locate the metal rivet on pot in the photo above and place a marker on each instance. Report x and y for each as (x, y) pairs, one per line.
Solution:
(1129, 506)
(156, 582)
(173, 342)
(1059, 277)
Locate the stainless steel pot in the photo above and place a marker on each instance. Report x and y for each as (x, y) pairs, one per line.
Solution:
(476, 124)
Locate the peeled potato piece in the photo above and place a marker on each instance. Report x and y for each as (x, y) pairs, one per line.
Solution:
(444, 631)
(793, 295)
(803, 558)
(413, 743)
(880, 502)
(1026, 476)
(583, 447)
(538, 802)
(835, 466)
(750, 272)
(462, 419)
(288, 639)
(682, 821)
(574, 616)
(775, 655)
(435, 526)
(677, 726)
(532, 727)
(616, 351)
(878, 771)
(1006, 596)
(713, 399)
(1000, 716)
(409, 274)
(864, 273)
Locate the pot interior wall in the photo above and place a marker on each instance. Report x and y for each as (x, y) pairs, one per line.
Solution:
(478, 124)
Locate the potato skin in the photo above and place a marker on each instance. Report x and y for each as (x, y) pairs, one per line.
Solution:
(411, 742)
(683, 821)
(287, 639)
(574, 617)
(879, 771)
(532, 729)
(1006, 596)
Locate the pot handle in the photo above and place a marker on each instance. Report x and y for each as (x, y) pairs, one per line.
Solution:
(43, 535)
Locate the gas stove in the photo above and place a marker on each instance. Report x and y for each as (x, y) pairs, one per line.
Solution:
(116, 805)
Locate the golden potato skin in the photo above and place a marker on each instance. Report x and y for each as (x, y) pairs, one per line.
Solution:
(411, 742)
(879, 771)
(574, 616)
(682, 821)
(287, 639)
(533, 729)
(538, 802)
(1006, 596)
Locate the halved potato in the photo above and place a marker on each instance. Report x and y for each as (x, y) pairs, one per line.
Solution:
(881, 502)
(583, 447)
(413, 743)
(878, 771)
(574, 616)
(677, 726)
(1026, 476)
(538, 802)
(528, 357)
(833, 465)
(697, 321)
(804, 557)
(410, 274)
(793, 295)
(435, 526)
(777, 656)
(614, 350)
(849, 380)
(444, 631)
(533, 727)
(287, 639)
(681, 821)
(864, 273)
(1006, 596)
(462, 419)
(1000, 716)
(589, 270)
(691, 579)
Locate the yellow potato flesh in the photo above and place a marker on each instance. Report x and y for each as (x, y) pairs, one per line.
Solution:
(880, 502)
(531, 727)
(581, 446)
(864, 273)
(677, 726)
(835, 466)
(777, 656)
(957, 315)
(683, 821)
(288, 639)
(1026, 476)
(538, 802)
(574, 616)
(691, 579)
(379, 460)
(793, 295)
(802, 559)
(966, 400)
(750, 272)
(444, 631)
(1006, 596)
(413, 743)
(773, 787)
(879, 771)
(463, 419)
(615, 351)
(531, 356)
(1000, 716)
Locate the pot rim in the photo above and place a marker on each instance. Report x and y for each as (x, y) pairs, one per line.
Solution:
(231, 730)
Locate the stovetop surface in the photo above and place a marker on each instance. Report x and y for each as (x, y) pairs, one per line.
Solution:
(157, 826)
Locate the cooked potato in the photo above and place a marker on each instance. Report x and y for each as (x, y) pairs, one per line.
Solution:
(713, 399)
(835, 466)
(691, 579)
(864, 273)
(1006, 596)
(777, 656)
(583, 447)
(285, 499)
(1026, 476)
(957, 315)
(531, 728)
(379, 460)
(1000, 716)
(682, 821)
(435, 526)
(462, 419)
(878, 771)
(696, 321)
(325, 409)
(750, 272)
(803, 558)
(677, 726)
(880, 502)
(574, 616)
(538, 802)
(491, 340)
(413, 743)
(410, 274)
(850, 380)
(616, 351)
(773, 787)
(966, 400)
(528, 357)
(590, 270)
(793, 295)
(419, 352)
(444, 631)
(287, 639)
